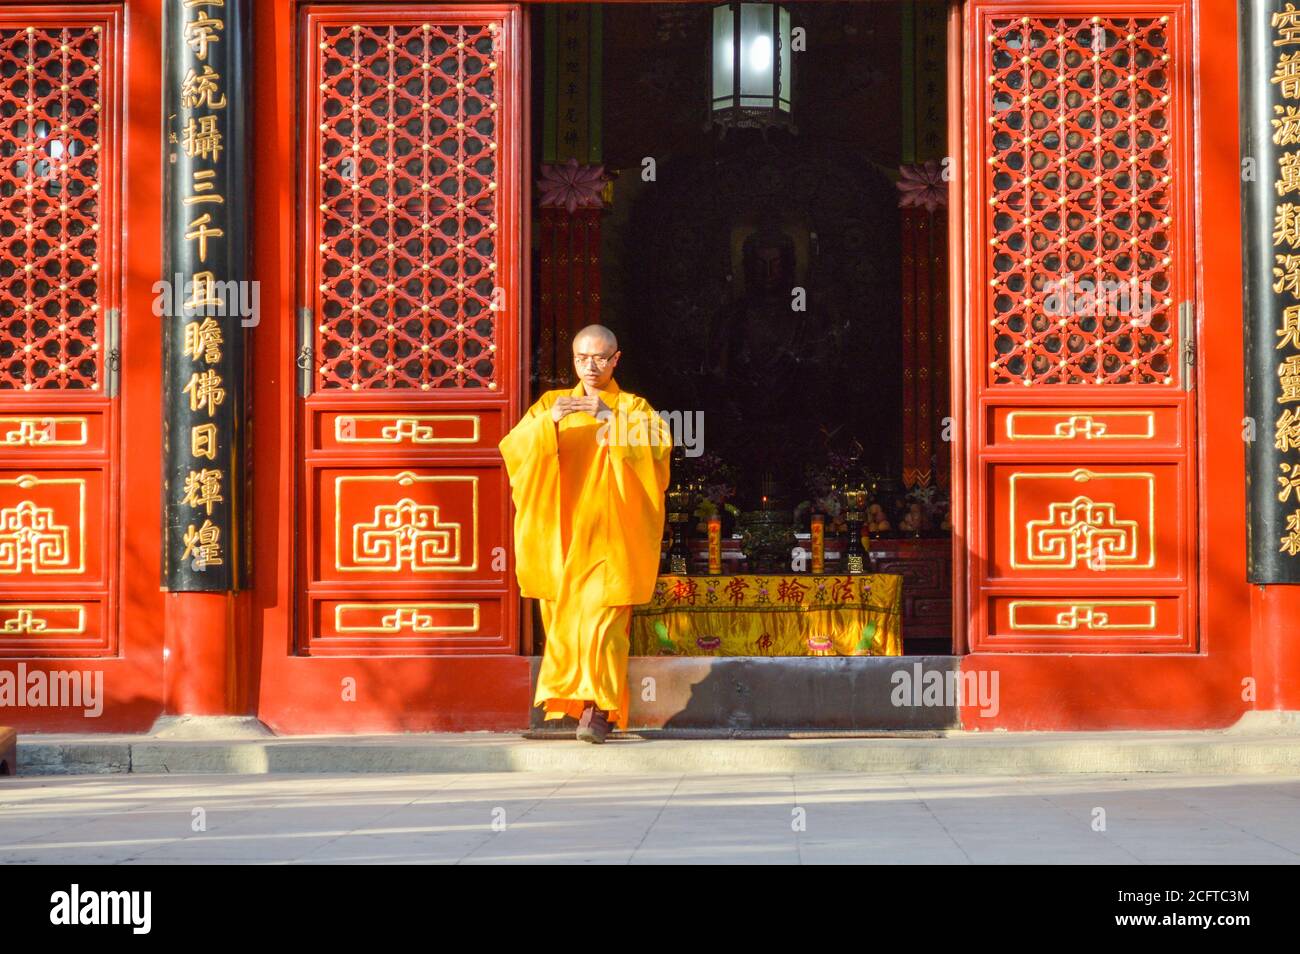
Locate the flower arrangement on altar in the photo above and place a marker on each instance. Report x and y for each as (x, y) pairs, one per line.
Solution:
(888, 510)
(766, 538)
(717, 482)
(826, 483)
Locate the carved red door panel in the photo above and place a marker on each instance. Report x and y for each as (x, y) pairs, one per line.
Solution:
(1081, 477)
(409, 350)
(60, 84)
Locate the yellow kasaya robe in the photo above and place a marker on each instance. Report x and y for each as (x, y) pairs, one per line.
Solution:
(589, 518)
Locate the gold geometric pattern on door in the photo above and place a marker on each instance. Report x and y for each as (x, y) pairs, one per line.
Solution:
(60, 152)
(1079, 366)
(408, 337)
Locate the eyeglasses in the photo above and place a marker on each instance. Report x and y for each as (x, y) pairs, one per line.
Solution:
(601, 361)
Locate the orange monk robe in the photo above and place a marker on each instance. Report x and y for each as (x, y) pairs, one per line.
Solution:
(589, 518)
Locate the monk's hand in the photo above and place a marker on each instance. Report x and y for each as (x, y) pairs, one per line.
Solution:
(592, 405)
(562, 407)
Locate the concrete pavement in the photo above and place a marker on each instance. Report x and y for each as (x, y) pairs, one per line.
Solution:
(565, 818)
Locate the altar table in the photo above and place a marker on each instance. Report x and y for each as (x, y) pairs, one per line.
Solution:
(796, 614)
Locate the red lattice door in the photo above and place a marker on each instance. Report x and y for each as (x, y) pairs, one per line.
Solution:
(409, 345)
(59, 306)
(1080, 375)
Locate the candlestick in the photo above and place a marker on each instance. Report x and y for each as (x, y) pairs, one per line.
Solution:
(679, 514)
(855, 498)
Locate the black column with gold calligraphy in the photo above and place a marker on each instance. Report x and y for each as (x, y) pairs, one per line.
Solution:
(207, 298)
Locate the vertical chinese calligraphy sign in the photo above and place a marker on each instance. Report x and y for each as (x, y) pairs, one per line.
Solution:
(1270, 143)
(207, 294)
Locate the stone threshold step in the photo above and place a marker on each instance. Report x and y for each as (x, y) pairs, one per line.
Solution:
(999, 753)
(547, 735)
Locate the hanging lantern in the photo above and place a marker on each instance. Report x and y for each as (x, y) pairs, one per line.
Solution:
(751, 65)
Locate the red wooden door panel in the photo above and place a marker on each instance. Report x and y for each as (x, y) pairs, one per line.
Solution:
(1080, 329)
(60, 138)
(409, 344)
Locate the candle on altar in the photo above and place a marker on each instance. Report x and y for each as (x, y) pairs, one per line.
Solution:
(715, 545)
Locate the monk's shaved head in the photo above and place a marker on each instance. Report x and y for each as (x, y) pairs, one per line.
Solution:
(599, 335)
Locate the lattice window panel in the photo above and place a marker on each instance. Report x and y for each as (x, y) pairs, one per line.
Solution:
(1080, 231)
(407, 222)
(51, 128)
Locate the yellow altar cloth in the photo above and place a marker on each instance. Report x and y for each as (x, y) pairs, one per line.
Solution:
(771, 615)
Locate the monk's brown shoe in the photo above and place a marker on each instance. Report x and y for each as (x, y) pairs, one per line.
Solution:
(594, 725)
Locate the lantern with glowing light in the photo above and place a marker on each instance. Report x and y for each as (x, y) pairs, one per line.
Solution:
(751, 65)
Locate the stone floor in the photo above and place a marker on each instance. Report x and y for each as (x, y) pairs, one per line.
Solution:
(568, 818)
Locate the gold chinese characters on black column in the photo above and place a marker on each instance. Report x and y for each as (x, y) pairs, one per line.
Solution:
(208, 304)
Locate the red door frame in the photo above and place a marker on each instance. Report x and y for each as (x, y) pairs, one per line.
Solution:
(494, 593)
(1158, 466)
(132, 664)
(1203, 689)
(1037, 691)
(317, 693)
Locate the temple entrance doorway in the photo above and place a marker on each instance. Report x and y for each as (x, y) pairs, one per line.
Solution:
(777, 277)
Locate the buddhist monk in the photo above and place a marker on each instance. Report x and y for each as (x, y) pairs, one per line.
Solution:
(588, 468)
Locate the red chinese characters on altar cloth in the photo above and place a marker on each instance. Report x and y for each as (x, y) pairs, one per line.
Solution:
(771, 615)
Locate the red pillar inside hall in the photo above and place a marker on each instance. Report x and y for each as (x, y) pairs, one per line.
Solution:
(923, 222)
(572, 190)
